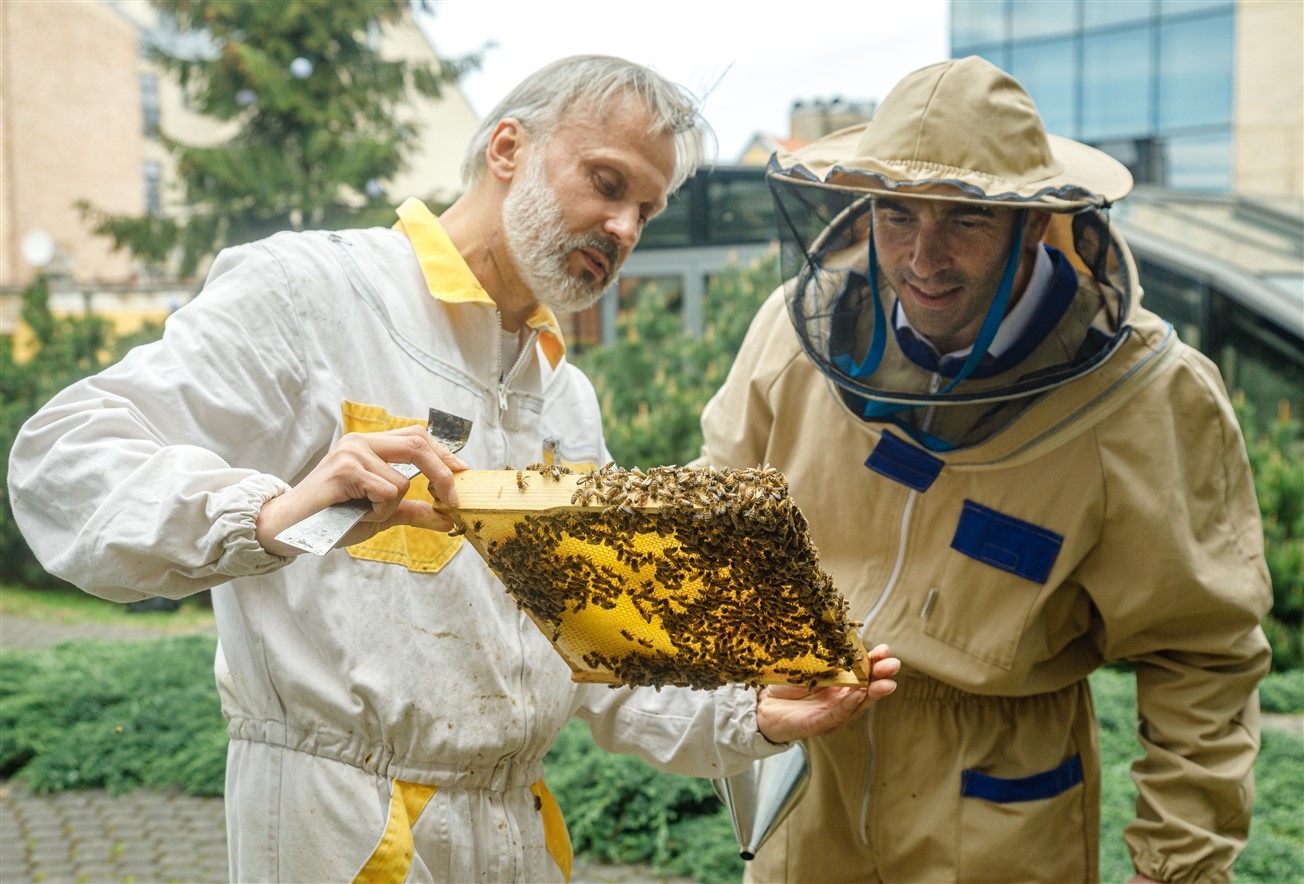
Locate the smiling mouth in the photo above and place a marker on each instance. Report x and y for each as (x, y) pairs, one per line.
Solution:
(929, 297)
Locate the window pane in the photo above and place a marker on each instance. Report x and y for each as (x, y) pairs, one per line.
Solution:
(1046, 71)
(1179, 299)
(739, 210)
(149, 104)
(1038, 18)
(975, 22)
(1257, 358)
(671, 227)
(997, 55)
(153, 171)
(1199, 162)
(1195, 72)
(1144, 158)
(1116, 82)
(1099, 13)
(1181, 7)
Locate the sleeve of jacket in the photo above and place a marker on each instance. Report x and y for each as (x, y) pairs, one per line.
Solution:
(678, 730)
(736, 421)
(1182, 585)
(146, 478)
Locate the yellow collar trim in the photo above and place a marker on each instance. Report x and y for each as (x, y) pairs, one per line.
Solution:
(450, 280)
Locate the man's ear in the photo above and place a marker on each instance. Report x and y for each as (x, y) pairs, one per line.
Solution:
(1035, 227)
(506, 150)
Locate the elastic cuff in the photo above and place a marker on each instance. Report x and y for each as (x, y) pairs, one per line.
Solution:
(239, 505)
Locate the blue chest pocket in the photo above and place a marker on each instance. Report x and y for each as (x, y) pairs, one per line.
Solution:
(1006, 543)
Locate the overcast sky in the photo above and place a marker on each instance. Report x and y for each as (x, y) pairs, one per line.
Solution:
(748, 60)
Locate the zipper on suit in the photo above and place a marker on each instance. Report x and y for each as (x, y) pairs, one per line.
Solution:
(505, 380)
(869, 617)
(934, 384)
(911, 496)
(869, 780)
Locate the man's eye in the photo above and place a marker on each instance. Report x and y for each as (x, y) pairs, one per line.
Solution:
(607, 186)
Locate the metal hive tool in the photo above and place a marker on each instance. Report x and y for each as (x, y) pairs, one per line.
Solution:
(683, 576)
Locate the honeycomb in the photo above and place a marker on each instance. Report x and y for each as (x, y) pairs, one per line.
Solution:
(676, 576)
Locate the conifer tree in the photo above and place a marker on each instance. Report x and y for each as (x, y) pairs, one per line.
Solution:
(319, 116)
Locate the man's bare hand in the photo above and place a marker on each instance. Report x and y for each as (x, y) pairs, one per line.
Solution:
(357, 468)
(785, 713)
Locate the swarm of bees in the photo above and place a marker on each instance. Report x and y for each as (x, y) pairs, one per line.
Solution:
(675, 576)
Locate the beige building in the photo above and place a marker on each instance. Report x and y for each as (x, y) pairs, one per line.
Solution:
(83, 115)
(1268, 134)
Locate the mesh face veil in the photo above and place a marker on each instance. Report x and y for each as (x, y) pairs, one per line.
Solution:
(842, 304)
(842, 316)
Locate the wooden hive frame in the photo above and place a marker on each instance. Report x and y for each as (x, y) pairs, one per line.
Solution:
(686, 576)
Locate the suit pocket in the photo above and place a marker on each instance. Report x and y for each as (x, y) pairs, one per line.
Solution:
(995, 573)
(1030, 828)
(417, 549)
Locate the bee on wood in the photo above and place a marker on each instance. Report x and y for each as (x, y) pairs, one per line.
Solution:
(521, 482)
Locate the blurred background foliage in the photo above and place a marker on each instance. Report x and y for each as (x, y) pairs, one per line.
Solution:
(653, 381)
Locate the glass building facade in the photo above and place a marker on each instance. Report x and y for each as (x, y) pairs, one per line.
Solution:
(1148, 81)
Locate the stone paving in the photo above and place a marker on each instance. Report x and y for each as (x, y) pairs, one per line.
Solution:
(144, 835)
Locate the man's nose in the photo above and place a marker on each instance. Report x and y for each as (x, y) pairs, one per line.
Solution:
(623, 226)
(929, 253)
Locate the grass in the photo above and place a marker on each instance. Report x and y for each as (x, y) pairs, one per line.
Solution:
(69, 606)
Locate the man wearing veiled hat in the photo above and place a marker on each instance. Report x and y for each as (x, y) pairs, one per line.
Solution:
(1016, 474)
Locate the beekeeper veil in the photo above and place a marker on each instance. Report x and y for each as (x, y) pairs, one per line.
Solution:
(962, 131)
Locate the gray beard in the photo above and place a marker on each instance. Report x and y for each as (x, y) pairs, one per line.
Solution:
(537, 240)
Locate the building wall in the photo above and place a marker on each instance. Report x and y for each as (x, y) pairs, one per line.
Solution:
(176, 119)
(70, 96)
(1268, 146)
(445, 125)
(815, 119)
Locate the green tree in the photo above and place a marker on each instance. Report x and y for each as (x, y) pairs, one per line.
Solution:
(320, 123)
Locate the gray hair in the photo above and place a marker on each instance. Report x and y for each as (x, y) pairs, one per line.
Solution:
(540, 102)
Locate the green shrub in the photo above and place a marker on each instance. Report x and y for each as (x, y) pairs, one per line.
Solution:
(1275, 852)
(1283, 692)
(92, 714)
(620, 810)
(653, 381)
(1277, 460)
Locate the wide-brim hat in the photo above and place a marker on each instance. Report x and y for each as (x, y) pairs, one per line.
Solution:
(967, 124)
